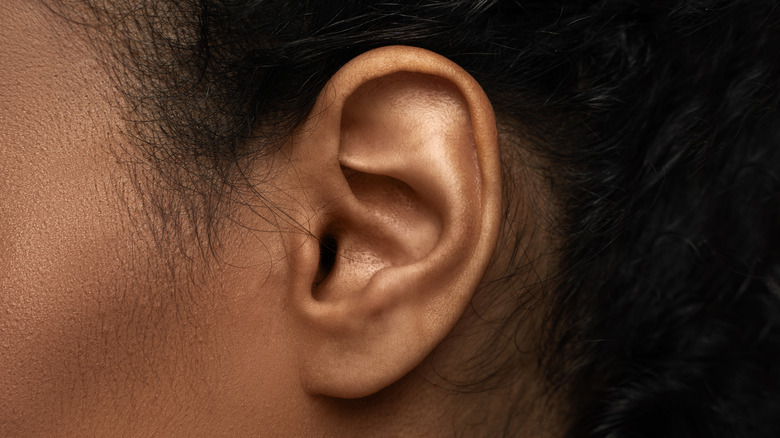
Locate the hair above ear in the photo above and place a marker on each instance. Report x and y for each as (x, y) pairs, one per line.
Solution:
(399, 162)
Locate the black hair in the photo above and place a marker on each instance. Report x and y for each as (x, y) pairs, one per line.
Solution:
(659, 128)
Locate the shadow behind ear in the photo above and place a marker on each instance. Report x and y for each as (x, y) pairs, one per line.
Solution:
(400, 163)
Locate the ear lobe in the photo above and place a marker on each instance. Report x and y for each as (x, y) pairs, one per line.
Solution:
(400, 163)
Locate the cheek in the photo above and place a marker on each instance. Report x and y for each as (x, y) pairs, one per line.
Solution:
(91, 310)
(106, 324)
(99, 317)
(102, 322)
(59, 240)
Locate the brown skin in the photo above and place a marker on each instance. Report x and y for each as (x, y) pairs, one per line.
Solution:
(107, 330)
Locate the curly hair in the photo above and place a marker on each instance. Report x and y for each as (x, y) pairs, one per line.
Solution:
(659, 128)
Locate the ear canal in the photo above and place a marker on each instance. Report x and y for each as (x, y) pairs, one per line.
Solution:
(328, 251)
(400, 163)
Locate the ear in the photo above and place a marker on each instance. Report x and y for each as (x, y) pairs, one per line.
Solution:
(399, 162)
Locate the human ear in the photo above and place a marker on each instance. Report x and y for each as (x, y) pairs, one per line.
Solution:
(399, 162)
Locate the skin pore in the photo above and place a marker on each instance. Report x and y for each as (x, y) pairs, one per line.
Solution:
(115, 323)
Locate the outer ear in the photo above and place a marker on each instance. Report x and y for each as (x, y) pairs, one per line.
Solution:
(400, 163)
